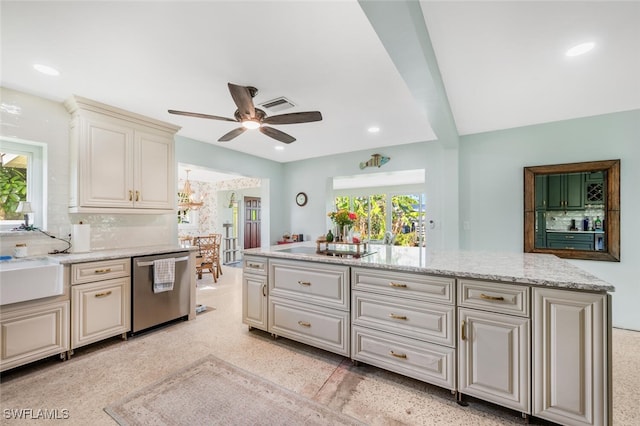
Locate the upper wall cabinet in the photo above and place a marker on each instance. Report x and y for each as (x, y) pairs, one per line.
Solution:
(121, 162)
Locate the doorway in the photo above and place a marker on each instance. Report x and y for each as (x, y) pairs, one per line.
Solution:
(252, 220)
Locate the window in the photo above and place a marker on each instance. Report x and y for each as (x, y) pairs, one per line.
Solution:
(22, 178)
(401, 214)
(390, 203)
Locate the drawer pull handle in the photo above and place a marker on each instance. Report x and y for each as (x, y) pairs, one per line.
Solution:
(307, 283)
(106, 293)
(569, 237)
(403, 356)
(304, 323)
(463, 335)
(102, 271)
(253, 265)
(399, 285)
(486, 297)
(398, 317)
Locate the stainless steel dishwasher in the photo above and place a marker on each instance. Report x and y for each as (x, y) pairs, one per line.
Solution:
(149, 309)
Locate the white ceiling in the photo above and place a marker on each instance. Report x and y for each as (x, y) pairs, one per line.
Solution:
(502, 64)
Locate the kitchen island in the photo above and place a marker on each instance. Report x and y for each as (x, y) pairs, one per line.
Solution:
(530, 332)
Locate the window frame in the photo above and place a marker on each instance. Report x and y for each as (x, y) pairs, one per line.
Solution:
(36, 153)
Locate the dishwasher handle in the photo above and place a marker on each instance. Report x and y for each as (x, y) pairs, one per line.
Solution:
(178, 259)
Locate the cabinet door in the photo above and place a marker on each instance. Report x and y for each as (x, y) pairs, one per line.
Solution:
(541, 192)
(106, 159)
(570, 358)
(555, 192)
(494, 359)
(254, 301)
(575, 191)
(565, 191)
(154, 176)
(33, 333)
(100, 310)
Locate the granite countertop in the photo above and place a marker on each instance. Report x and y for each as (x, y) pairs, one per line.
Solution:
(118, 253)
(519, 268)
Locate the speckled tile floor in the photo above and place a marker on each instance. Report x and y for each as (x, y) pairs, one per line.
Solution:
(106, 372)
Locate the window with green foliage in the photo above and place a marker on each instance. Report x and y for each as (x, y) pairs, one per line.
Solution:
(401, 214)
(13, 185)
(23, 177)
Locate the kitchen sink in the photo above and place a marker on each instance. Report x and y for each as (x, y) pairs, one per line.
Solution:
(29, 279)
(336, 253)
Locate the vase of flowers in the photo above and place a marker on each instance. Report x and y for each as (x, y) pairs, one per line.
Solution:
(344, 220)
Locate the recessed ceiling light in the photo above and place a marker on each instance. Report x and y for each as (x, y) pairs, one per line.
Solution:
(373, 129)
(580, 49)
(45, 69)
(279, 148)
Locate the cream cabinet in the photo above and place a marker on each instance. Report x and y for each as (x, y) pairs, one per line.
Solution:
(494, 361)
(571, 357)
(100, 301)
(309, 302)
(404, 322)
(120, 161)
(33, 331)
(543, 351)
(254, 292)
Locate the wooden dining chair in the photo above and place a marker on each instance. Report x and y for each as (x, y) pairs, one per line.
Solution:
(208, 259)
(218, 254)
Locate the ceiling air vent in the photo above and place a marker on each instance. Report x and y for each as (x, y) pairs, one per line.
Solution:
(278, 104)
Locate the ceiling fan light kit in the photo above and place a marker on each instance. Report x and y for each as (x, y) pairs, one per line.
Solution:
(251, 117)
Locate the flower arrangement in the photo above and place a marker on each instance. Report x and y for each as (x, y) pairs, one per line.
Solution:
(343, 217)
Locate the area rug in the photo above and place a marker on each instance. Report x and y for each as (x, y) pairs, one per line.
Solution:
(214, 392)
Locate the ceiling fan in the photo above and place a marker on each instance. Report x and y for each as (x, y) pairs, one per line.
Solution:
(251, 117)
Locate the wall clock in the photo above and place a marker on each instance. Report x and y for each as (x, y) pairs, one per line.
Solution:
(301, 199)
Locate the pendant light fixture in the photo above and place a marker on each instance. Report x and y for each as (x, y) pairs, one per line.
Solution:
(186, 197)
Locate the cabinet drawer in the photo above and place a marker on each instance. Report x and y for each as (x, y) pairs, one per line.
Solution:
(419, 320)
(570, 237)
(414, 286)
(97, 271)
(423, 361)
(316, 326)
(494, 297)
(325, 285)
(255, 265)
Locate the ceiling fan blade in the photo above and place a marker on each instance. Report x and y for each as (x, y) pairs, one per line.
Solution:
(232, 134)
(242, 97)
(277, 134)
(197, 114)
(294, 117)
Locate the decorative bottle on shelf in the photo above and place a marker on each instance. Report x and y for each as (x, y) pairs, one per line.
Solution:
(329, 236)
(598, 223)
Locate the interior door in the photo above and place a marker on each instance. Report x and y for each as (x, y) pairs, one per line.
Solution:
(251, 222)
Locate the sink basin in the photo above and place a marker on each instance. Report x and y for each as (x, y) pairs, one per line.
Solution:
(29, 279)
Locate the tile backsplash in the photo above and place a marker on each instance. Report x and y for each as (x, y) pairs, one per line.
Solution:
(561, 221)
(107, 232)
